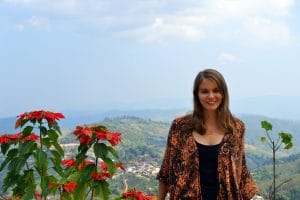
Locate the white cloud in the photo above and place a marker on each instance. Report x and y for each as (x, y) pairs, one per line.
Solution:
(163, 20)
(161, 31)
(33, 22)
(228, 58)
(228, 19)
(270, 31)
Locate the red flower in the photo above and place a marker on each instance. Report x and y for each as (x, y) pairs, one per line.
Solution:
(85, 139)
(69, 187)
(85, 163)
(134, 194)
(120, 165)
(101, 135)
(16, 136)
(129, 194)
(114, 138)
(100, 176)
(51, 117)
(5, 139)
(38, 195)
(103, 166)
(84, 134)
(51, 185)
(35, 115)
(68, 162)
(32, 136)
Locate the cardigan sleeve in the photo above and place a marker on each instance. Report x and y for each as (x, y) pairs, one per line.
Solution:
(163, 174)
(247, 185)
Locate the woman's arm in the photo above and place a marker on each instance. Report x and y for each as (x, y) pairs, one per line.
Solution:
(247, 185)
(162, 190)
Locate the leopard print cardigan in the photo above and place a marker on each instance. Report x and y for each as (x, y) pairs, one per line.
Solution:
(180, 166)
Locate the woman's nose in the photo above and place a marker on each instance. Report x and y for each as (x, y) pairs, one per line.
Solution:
(211, 95)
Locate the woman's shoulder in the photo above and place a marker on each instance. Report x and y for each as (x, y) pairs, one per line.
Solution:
(184, 119)
(238, 123)
(182, 123)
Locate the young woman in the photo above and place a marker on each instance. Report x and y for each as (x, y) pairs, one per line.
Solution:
(205, 153)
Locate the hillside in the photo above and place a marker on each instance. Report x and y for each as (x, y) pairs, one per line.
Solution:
(144, 142)
(288, 169)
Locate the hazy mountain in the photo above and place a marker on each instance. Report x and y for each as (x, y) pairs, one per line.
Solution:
(274, 106)
(252, 122)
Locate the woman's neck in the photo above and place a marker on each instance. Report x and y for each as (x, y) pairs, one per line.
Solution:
(210, 120)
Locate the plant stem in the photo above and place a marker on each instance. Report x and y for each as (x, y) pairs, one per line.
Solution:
(42, 170)
(274, 175)
(92, 196)
(32, 179)
(61, 193)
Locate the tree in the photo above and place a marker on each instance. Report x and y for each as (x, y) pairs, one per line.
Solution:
(274, 144)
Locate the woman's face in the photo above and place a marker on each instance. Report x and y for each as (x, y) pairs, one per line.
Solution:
(209, 95)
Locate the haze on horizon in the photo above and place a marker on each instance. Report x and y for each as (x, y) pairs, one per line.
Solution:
(77, 55)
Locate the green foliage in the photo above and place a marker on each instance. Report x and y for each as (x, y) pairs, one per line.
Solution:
(274, 145)
(34, 163)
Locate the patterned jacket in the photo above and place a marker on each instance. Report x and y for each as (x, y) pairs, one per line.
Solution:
(180, 166)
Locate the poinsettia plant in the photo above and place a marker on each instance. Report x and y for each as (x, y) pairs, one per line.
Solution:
(37, 168)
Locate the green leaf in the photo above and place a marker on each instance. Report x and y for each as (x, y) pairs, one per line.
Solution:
(56, 156)
(263, 139)
(80, 158)
(29, 176)
(10, 155)
(83, 148)
(102, 190)
(10, 180)
(27, 131)
(27, 147)
(29, 191)
(286, 138)
(110, 165)
(43, 130)
(58, 148)
(85, 174)
(266, 125)
(46, 142)
(45, 180)
(80, 190)
(100, 150)
(17, 163)
(4, 148)
(57, 168)
(41, 160)
(113, 152)
(288, 146)
(75, 176)
(52, 134)
(55, 127)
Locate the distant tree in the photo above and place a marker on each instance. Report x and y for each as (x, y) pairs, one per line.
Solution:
(274, 143)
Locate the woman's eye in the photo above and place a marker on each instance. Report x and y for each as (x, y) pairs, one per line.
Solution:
(203, 91)
(216, 91)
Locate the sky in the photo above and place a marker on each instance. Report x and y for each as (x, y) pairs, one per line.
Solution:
(127, 54)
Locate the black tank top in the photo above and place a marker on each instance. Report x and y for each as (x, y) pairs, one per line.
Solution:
(208, 168)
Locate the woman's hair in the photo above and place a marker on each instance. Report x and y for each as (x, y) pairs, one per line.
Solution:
(224, 116)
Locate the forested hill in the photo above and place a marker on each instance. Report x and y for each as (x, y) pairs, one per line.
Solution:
(145, 139)
(144, 142)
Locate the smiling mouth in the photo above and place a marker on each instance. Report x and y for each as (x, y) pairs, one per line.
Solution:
(211, 102)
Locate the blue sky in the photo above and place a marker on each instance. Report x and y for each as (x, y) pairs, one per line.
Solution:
(71, 54)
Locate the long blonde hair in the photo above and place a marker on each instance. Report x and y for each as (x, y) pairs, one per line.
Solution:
(224, 116)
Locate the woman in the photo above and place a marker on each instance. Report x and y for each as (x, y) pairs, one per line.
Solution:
(205, 153)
